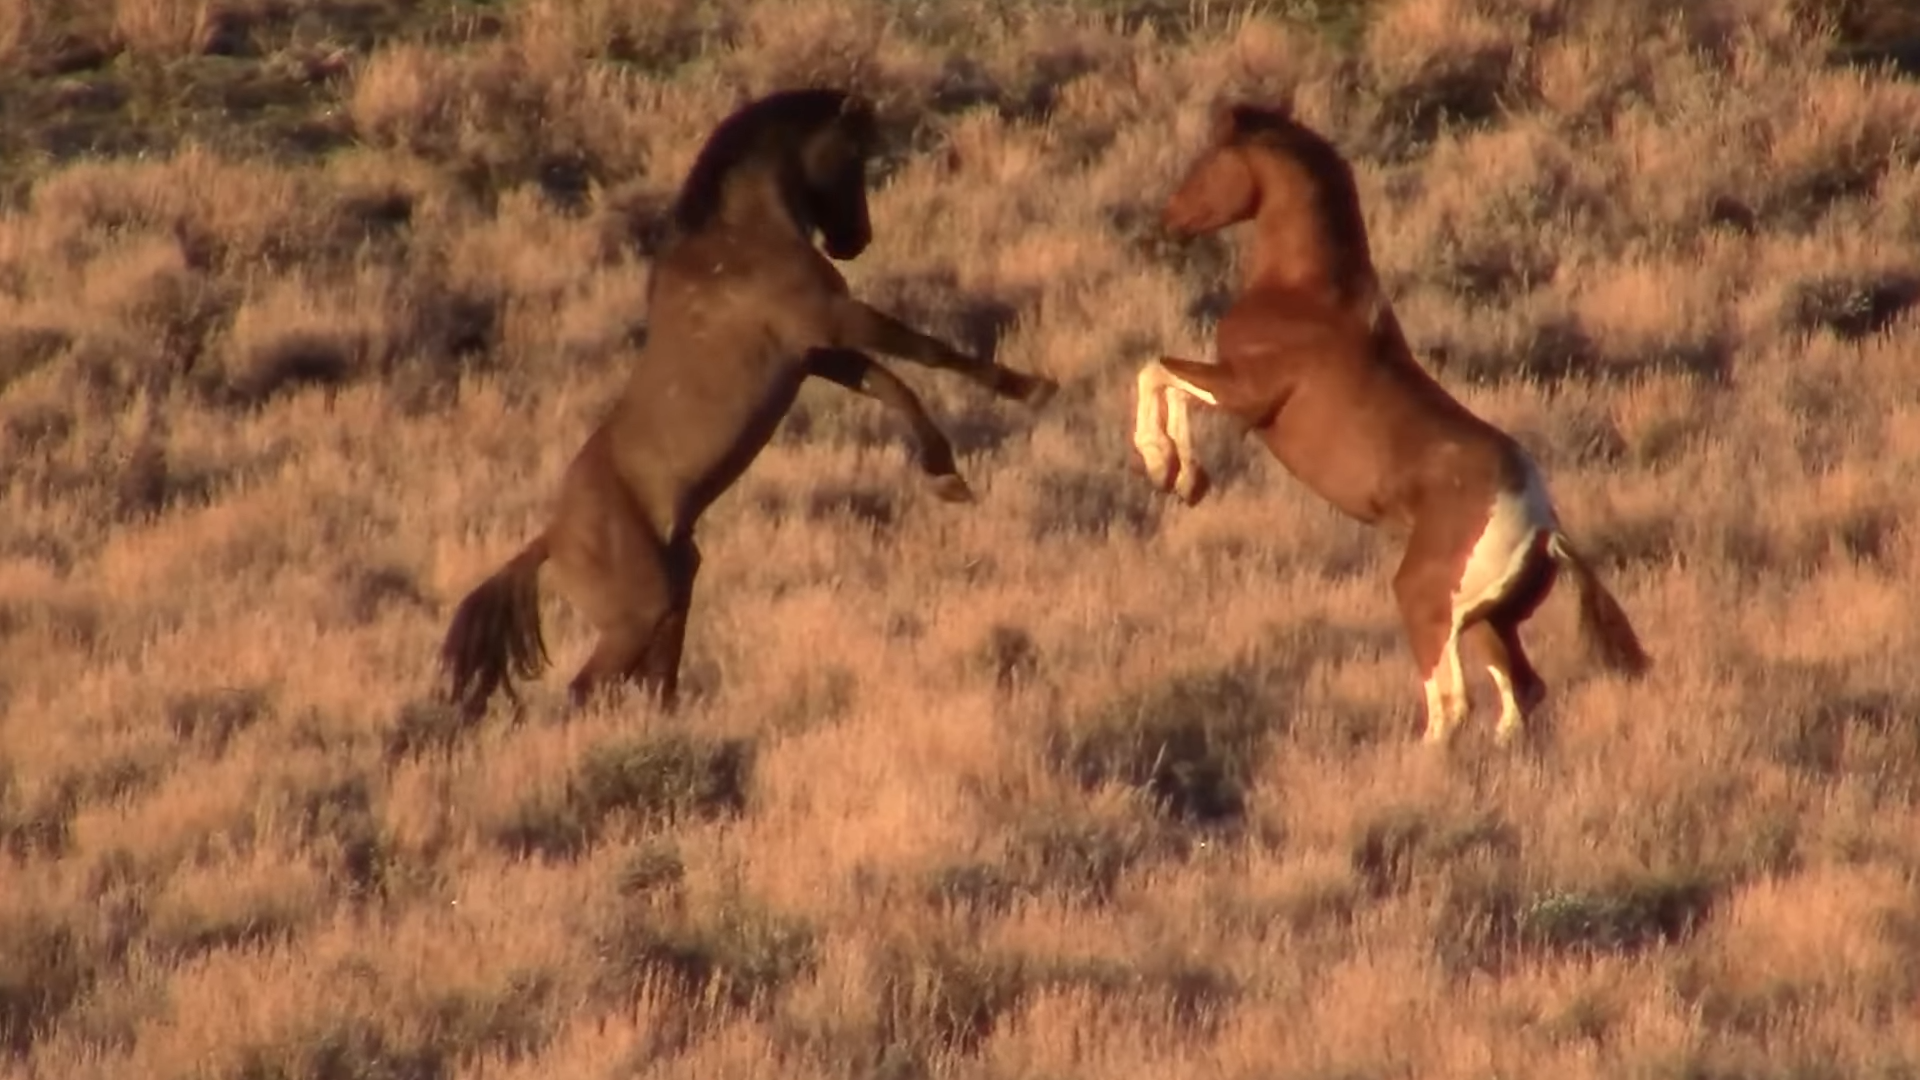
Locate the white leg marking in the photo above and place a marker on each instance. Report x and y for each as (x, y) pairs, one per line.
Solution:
(1179, 423)
(1150, 422)
(1436, 709)
(1163, 428)
(1180, 429)
(1446, 693)
(1188, 388)
(1511, 714)
(1456, 700)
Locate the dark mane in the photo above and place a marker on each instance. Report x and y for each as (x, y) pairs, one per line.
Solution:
(1339, 199)
(770, 126)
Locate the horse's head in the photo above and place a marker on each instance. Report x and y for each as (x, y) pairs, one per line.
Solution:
(833, 172)
(1219, 188)
(802, 151)
(1260, 162)
(1231, 180)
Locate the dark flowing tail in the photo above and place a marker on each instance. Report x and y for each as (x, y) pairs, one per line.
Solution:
(1603, 623)
(495, 633)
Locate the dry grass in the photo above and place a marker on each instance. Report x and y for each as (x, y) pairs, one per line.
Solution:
(304, 306)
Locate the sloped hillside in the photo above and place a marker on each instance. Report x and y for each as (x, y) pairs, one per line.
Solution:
(304, 304)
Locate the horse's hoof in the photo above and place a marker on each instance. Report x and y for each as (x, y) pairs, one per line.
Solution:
(1192, 485)
(951, 488)
(1165, 479)
(1161, 478)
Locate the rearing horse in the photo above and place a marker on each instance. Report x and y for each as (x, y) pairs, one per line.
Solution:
(1311, 357)
(742, 309)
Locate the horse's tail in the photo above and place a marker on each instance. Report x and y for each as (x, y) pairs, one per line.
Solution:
(495, 633)
(1604, 625)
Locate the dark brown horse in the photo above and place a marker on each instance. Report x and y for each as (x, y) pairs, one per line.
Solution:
(1312, 358)
(742, 309)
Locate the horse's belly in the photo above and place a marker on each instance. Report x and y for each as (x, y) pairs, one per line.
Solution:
(1345, 471)
(687, 443)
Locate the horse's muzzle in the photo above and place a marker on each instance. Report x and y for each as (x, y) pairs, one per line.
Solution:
(843, 248)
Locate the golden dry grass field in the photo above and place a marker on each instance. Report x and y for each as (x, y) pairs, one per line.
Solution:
(304, 304)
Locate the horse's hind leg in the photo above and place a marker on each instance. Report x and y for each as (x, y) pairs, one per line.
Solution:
(658, 666)
(1425, 595)
(863, 374)
(1518, 587)
(604, 558)
(1497, 642)
(620, 649)
(635, 609)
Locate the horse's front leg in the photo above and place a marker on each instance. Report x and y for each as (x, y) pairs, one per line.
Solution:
(1163, 427)
(1151, 439)
(863, 374)
(859, 325)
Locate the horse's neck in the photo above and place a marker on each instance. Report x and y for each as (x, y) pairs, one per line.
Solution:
(1297, 257)
(758, 205)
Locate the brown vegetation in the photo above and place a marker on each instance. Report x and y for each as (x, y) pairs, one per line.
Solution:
(303, 307)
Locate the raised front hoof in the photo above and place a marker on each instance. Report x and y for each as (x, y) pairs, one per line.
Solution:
(951, 488)
(1159, 474)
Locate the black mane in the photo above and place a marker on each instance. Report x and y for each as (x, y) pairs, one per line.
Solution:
(766, 127)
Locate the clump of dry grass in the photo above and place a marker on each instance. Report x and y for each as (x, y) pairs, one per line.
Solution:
(304, 306)
(167, 28)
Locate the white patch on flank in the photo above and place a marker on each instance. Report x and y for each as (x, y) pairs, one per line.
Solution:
(1150, 422)
(1500, 553)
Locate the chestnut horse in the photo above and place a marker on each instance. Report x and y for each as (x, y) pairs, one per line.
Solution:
(742, 309)
(1311, 357)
